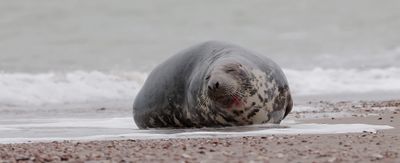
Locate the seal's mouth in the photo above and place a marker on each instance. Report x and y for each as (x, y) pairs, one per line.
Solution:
(228, 101)
(225, 95)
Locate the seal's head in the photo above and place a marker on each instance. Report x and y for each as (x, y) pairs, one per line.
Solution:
(226, 83)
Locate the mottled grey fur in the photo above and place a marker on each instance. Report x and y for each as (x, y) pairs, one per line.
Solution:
(175, 94)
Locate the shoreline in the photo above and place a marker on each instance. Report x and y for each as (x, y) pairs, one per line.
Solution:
(382, 146)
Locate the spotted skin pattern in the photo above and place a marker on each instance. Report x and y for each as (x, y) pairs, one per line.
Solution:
(176, 93)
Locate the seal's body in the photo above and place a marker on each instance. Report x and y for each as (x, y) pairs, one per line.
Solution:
(213, 84)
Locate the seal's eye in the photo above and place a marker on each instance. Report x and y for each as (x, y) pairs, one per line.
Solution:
(208, 77)
(230, 70)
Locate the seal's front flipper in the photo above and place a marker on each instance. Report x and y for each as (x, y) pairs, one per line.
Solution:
(288, 107)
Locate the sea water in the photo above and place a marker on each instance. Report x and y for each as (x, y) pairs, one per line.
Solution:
(45, 130)
(89, 59)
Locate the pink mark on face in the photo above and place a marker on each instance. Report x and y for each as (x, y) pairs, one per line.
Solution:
(236, 101)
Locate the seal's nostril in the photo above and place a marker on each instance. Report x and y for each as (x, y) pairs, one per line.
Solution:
(216, 85)
(209, 87)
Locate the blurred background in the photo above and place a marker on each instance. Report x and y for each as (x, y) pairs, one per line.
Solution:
(72, 52)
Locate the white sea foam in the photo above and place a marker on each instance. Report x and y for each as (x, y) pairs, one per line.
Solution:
(341, 81)
(73, 87)
(7, 129)
(20, 89)
(117, 123)
(301, 108)
(44, 130)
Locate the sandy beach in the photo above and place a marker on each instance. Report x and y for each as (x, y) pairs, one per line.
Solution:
(382, 146)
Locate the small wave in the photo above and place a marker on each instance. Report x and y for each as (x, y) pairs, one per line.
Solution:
(338, 81)
(19, 89)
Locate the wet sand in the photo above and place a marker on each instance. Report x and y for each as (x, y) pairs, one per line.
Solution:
(383, 146)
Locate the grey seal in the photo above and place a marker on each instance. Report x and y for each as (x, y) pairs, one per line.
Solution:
(213, 84)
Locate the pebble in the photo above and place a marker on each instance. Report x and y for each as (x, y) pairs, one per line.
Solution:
(377, 156)
(22, 158)
(280, 155)
(186, 155)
